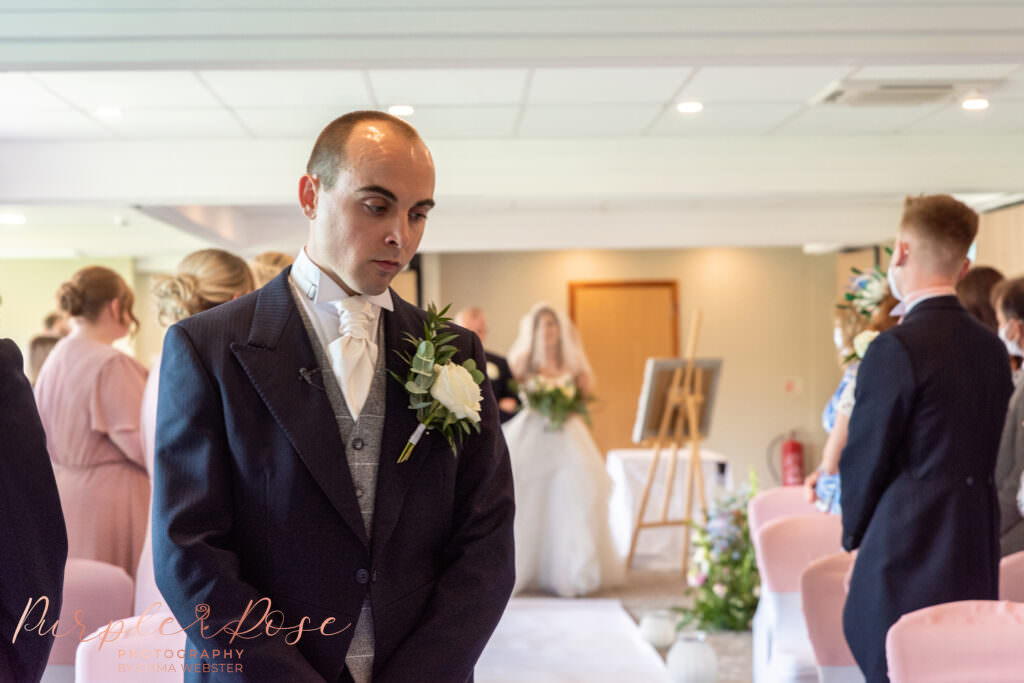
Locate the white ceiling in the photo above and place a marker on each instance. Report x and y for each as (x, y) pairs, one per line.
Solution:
(492, 103)
(569, 107)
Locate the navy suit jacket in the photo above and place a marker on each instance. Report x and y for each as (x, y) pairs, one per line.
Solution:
(33, 539)
(253, 499)
(917, 472)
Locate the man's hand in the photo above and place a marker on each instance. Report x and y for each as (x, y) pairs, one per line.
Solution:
(809, 483)
(508, 404)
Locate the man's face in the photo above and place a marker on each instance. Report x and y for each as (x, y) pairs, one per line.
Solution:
(476, 322)
(366, 228)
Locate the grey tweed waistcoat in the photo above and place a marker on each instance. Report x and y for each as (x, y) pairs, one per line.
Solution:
(362, 440)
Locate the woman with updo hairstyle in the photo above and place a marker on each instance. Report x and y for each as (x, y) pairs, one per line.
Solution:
(203, 279)
(89, 395)
(268, 265)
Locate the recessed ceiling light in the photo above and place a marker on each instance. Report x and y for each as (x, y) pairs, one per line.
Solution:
(974, 104)
(12, 219)
(401, 110)
(689, 107)
(108, 113)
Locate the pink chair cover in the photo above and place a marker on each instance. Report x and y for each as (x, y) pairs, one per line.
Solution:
(788, 545)
(1011, 577)
(100, 592)
(822, 597)
(772, 504)
(149, 657)
(970, 641)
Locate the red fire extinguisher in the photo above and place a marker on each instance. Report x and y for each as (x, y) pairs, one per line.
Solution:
(792, 460)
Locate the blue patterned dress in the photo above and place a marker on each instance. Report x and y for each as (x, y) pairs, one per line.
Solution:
(827, 487)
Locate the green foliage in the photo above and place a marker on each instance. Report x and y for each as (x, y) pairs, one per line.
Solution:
(433, 351)
(723, 578)
(556, 399)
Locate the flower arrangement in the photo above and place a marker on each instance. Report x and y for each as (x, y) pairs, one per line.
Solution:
(862, 341)
(724, 580)
(445, 395)
(867, 289)
(555, 398)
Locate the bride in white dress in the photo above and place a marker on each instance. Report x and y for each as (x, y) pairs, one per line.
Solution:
(563, 541)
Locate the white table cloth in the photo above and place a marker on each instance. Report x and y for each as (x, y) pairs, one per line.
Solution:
(628, 468)
(550, 640)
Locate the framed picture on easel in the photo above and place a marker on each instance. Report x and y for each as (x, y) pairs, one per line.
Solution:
(653, 400)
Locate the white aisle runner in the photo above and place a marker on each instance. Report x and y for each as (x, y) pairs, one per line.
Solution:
(549, 640)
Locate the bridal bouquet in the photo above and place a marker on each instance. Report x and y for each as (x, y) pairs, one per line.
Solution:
(724, 579)
(445, 395)
(555, 398)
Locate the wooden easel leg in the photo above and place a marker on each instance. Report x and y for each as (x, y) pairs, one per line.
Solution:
(643, 506)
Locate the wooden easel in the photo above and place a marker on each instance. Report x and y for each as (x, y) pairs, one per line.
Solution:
(685, 393)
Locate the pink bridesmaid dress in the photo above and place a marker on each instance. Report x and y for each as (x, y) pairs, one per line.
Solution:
(146, 592)
(89, 397)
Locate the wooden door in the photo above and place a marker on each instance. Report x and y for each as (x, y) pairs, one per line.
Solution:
(622, 324)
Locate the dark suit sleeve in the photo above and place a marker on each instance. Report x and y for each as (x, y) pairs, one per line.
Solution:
(194, 560)
(479, 560)
(33, 540)
(884, 396)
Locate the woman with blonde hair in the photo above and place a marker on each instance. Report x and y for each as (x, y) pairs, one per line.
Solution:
(204, 279)
(266, 266)
(89, 395)
(563, 540)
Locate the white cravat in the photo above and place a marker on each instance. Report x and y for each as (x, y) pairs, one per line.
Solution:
(354, 353)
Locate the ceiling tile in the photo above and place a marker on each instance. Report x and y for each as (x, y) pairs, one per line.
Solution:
(177, 123)
(305, 123)
(448, 86)
(345, 90)
(465, 122)
(1000, 117)
(750, 119)
(934, 72)
(53, 124)
(838, 120)
(613, 120)
(760, 83)
(19, 91)
(625, 85)
(129, 89)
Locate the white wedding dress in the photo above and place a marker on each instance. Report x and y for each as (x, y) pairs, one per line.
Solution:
(563, 541)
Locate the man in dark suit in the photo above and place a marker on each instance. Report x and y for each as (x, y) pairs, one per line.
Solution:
(33, 539)
(277, 446)
(917, 471)
(498, 372)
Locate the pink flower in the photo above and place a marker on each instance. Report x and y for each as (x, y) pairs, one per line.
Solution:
(697, 580)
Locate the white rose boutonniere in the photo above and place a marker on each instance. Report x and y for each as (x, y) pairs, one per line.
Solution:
(446, 396)
(455, 388)
(862, 341)
(493, 373)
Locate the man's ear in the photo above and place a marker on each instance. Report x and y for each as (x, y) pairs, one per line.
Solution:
(963, 269)
(309, 186)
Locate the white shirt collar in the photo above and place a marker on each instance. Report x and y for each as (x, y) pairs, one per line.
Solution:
(914, 298)
(321, 289)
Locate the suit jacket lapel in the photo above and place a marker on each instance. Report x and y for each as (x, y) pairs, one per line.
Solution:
(277, 349)
(394, 479)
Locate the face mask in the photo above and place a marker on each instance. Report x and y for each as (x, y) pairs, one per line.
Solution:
(893, 289)
(1012, 347)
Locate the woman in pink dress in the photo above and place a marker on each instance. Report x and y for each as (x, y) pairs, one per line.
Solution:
(88, 394)
(203, 280)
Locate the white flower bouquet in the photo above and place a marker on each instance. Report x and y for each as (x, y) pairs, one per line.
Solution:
(556, 398)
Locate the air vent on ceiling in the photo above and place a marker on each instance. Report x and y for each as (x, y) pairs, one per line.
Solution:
(854, 93)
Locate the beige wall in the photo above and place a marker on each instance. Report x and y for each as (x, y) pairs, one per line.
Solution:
(29, 291)
(1001, 240)
(767, 313)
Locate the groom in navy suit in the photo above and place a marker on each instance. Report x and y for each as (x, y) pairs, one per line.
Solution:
(277, 446)
(917, 471)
